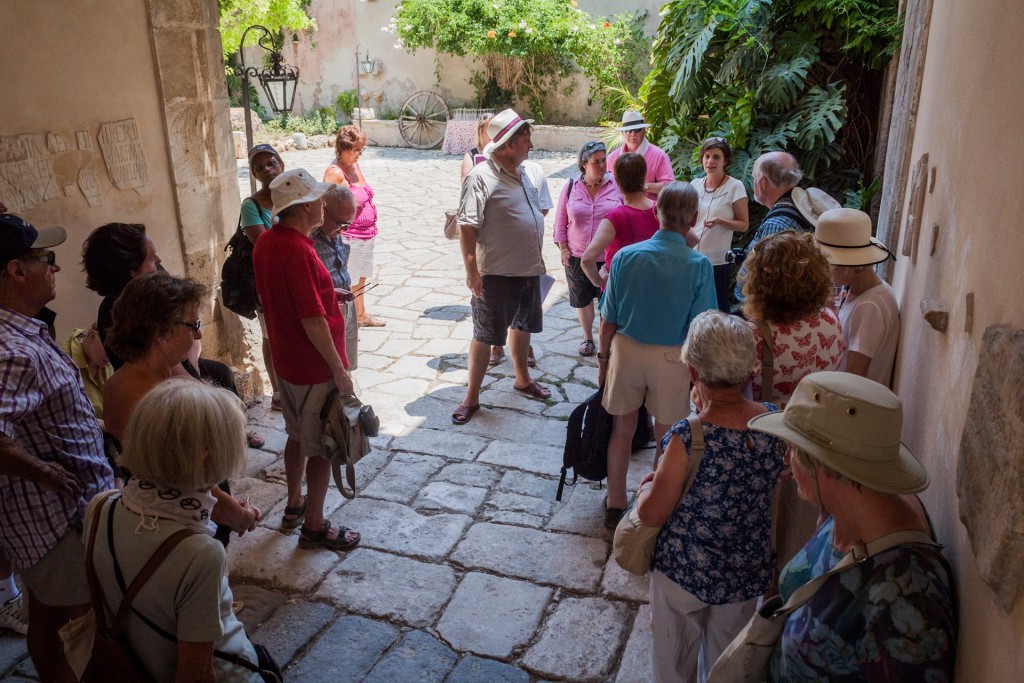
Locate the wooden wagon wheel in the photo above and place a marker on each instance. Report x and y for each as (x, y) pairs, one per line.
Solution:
(422, 120)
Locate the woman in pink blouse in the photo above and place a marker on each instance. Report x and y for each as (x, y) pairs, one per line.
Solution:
(584, 203)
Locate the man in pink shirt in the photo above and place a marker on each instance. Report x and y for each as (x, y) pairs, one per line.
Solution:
(634, 139)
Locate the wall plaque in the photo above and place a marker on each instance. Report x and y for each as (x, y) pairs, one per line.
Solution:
(26, 173)
(122, 153)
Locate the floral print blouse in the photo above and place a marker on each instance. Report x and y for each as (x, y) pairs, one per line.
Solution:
(717, 544)
(890, 618)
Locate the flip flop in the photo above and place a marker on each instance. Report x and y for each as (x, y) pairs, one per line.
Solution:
(534, 389)
(497, 355)
(298, 515)
(587, 348)
(370, 321)
(464, 414)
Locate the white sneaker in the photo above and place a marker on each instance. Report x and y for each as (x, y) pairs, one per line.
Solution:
(10, 616)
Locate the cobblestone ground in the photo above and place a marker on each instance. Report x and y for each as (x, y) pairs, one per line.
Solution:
(469, 570)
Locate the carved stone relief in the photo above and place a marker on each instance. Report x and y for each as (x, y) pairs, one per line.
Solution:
(122, 153)
(990, 473)
(918, 189)
(26, 172)
(89, 187)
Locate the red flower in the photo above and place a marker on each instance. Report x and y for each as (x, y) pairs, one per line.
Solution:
(607, 25)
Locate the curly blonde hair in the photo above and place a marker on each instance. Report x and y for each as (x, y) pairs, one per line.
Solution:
(787, 278)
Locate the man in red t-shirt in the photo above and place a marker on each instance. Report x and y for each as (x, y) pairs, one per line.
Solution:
(307, 340)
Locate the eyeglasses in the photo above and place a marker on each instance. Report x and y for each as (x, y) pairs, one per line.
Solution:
(194, 326)
(49, 259)
(343, 224)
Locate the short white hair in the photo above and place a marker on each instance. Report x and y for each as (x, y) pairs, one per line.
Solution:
(186, 434)
(721, 349)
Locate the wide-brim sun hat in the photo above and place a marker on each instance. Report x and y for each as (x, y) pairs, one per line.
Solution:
(632, 120)
(852, 425)
(18, 237)
(295, 187)
(844, 235)
(501, 127)
(813, 202)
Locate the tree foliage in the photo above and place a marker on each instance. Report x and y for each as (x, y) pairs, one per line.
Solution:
(799, 75)
(276, 15)
(526, 48)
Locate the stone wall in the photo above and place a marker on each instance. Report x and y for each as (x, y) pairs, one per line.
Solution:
(967, 264)
(326, 61)
(116, 111)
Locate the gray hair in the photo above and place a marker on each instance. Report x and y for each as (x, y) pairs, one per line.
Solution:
(186, 434)
(721, 349)
(781, 169)
(677, 205)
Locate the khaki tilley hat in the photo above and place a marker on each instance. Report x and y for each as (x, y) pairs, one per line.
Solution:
(295, 187)
(852, 425)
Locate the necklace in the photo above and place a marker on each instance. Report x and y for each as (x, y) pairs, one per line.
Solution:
(716, 188)
(597, 184)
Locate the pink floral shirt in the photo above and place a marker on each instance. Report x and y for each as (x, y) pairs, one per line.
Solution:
(810, 345)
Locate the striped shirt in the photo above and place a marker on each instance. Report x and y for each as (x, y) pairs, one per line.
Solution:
(44, 408)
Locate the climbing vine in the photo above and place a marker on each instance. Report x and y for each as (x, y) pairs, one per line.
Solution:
(526, 48)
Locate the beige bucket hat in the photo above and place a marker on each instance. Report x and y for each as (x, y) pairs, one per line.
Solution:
(852, 425)
(813, 202)
(295, 187)
(845, 237)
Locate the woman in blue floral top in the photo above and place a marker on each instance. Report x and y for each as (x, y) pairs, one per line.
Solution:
(892, 616)
(713, 557)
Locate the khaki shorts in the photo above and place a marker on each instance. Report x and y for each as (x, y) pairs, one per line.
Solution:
(641, 374)
(58, 578)
(301, 404)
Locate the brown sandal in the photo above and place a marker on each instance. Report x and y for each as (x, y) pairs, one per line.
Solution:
(535, 389)
(464, 414)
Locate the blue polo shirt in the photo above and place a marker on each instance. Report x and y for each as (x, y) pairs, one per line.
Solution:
(656, 287)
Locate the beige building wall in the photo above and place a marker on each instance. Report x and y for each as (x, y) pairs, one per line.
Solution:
(326, 61)
(80, 68)
(969, 124)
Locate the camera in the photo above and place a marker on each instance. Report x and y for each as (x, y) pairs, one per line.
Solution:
(735, 256)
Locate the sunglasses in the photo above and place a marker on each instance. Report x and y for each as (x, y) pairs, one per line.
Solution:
(194, 326)
(50, 258)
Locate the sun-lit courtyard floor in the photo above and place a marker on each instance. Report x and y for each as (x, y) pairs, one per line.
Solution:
(469, 570)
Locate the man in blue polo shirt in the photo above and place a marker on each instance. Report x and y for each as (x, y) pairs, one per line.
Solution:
(655, 288)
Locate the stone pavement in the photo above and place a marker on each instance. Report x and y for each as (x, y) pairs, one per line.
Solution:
(469, 570)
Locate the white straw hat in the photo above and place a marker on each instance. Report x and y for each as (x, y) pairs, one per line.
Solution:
(632, 120)
(813, 202)
(845, 237)
(501, 127)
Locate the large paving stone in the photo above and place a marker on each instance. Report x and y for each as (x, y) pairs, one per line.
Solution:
(258, 604)
(404, 387)
(262, 494)
(269, 558)
(513, 502)
(526, 484)
(468, 474)
(491, 422)
(443, 442)
(492, 615)
(292, 626)
(513, 518)
(564, 560)
(389, 587)
(580, 640)
(414, 366)
(403, 477)
(418, 658)
(524, 456)
(515, 400)
(582, 510)
(344, 652)
(401, 530)
(635, 665)
(476, 670)
(440, 495)
(618, 583)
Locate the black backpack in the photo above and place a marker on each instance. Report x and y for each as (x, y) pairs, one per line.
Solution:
(238, 281)
(586, 440)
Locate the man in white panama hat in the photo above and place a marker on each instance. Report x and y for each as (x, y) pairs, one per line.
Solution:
(867, 307)
(501, 226)
(634, 139)
(307, 340)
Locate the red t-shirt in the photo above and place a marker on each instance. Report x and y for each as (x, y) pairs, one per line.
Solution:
(631, 226)
(293, 284)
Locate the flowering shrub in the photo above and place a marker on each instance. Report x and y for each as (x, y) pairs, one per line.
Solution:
(527, 47)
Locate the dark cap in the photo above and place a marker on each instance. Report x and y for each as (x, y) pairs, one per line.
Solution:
(263, 148)
(17, 237)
